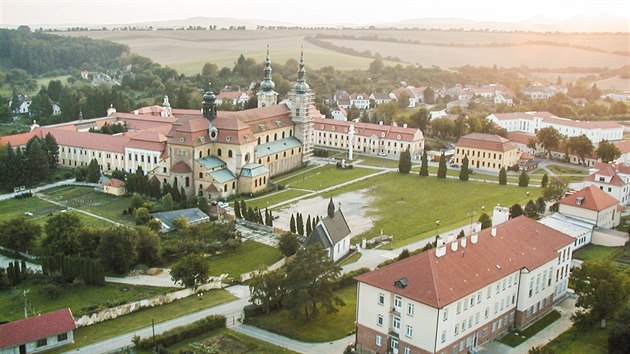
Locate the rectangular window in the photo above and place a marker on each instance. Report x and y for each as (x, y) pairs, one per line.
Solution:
(407, 350)
(496, 307)
(41, 342)
(445, 315)
(479, 297)
(379, 340)
(397, 302)
(61, 337)
(489, 291)
(379, 320)
(381, 298)
(409, 332)
(396, 324)
(477, 318)
(456, 330)
(465, 305)
(410, 309)
(443, 338)
(464, 326)
(459, 307)
(486, 313)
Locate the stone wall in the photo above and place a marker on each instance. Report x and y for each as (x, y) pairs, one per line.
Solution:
(247, 276)
(113, 312)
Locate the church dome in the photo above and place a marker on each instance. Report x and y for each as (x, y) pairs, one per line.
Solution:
(209, 97)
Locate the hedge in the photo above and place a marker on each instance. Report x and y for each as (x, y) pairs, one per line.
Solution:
(182, 333)
(347, 278)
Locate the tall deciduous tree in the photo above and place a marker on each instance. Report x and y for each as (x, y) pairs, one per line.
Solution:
(148, 246)
(608, 151)
(463, 173)
(555, 190)
(549, 138)
(619, 337)
(502, 176)
(62, 234)
(404, 161)
(191, 270)
(602, 290)
(581, 146)
(288, 244)
(19, 234)
(309, 283)
(267, 289)
(117, 249)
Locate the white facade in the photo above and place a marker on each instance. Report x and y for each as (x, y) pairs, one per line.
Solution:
(42, 344)
(340, 249)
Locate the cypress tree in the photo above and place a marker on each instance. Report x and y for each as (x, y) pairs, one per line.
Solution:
(267, 217)
(424, 166)
(523, 179)
(544, 181)
(441, 173)
(237, 210)
(24, 270)
(292, 224)
(309, 226)
(463, 173)
(300, 224)
(404, 162)
(314, 223)
(502, 176)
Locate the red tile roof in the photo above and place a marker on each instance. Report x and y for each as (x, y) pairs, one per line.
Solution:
(87, 140)
(20, 139)
(181, 167)
(623, 146)
(520, 137)
(593, 199)
(438, 281)
(485, 142)
(114, 182)
(366, 129)
(605, 169)
(33, 328)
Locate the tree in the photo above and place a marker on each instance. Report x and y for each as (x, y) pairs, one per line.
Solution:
(516, 210)
(429, 96)
(523, 179)
(581, 146)
(549, 138)
(37, 168)
(502, 176)
(463, 172)
(94, 171)
(541, 206)
(531, 210)
(420, 118)
(299, 224)
(167, 202)
(237, 210)
(555, 190)
(377, 65)
(441, 172)
(142, 216)
(52, 150)
(309, 281)
(136, 201)
(292, 224)
(62, 234)
(485, 221)
(608, 151)
(309, 225)
(19, 234)
(267, 289)
(403, 254)
(404, 161)
(619, 337)
(424, 165)
(191, 270)
(180, 223)
(544, 180)
(117, 249)
(148, 246)
(288, 244)
(602, 289)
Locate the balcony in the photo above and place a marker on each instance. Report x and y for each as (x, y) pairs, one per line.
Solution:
(395, 311)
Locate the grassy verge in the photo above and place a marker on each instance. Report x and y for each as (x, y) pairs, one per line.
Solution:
(248, 257)
(515, 338)
(77, 297)
(325, 177)
(355, 257)
(592, 341)
(407, 206)
(227, 341)
(325, 327)
(595, 252)
(564, 170)
(378, 162)
(274, 198)
(136, 320)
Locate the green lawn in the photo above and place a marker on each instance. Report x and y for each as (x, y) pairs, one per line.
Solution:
(86, 198)
(564, 170)
(355, 257)
(228, 341)
(140, 319)
(325, 177)
(378, 162)
(248, 257)
(423, 200)
(513, 340)
(274, 198)
(592, 341)
(595, 252)
(325, 327)
(80, 298)
(299, 172)
(11, 208)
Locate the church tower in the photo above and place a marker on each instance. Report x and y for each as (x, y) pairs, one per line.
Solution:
(267, 96)
(209, 110)
(301, 98)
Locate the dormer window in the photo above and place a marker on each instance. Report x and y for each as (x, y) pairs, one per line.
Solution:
(579, 200)
(401, 283)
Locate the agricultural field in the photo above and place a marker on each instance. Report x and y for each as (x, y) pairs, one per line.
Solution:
(187, 51)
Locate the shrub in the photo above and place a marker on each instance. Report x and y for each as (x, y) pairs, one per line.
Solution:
(51, 290)
(182, 333)
(252, 310)
(347, 278)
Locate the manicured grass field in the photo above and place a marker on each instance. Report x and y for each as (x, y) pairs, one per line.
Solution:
(227, 340)
(591, 341)
(326, 176)
(325, 327)
(595, 252)
(136, 320)
(514, 340)
(12, 208)
(86, 198)
(248, 257)
(77, 297)
(378, 162)
(355, 257)
(274, 198)
(407, 206)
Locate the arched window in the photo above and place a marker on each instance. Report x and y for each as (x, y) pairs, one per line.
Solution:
(187, 182)
(258, 140)
(285, 154)
(175, 181)
(265, 179)
(229, 153)
(219, 152)
(247, 157)
(275, 136)
(276, 156)
(225, 187)
(267, 139)
(290, 132)
(234, 185)
(259, 160)
(199, 154)
(283, 134)
(255, 183)
(200, 174)
(200, 187)
(208, 152)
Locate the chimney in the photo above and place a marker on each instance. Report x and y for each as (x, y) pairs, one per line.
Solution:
(493, 232)
(440, 250)
(111, 110)
(500, 215)
(463, 241)
(474, 237)
(404, 125)
(380, 122)
(454, 246)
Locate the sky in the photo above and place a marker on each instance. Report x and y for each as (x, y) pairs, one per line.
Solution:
(34, 12)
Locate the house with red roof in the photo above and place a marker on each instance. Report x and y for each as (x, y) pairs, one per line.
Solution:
(234, 97)
(486, 151)
(612, 178)
(465, 292)
(38, 333)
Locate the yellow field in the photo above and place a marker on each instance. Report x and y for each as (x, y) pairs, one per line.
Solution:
(187, 51)
(614, 83)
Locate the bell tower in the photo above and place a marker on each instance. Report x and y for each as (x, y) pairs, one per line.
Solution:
(209, 110)
(301, 98)
(267, 96)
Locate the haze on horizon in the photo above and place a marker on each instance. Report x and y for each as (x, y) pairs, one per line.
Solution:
(97, 12)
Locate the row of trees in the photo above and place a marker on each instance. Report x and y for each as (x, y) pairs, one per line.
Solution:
(242, 211)
(89, 270)
(550, 139)
(299, 227)
(14, 274)
(28, 166)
